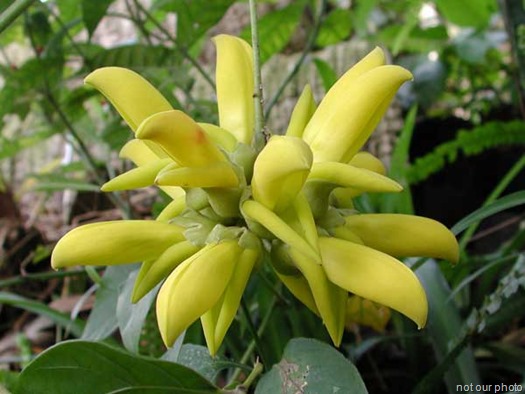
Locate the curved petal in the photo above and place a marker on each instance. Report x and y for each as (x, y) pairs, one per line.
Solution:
(302, 113)
(405, 235)
(138, 152)
(333, 97)
(173, 209)
(115, 242)
(280, 171)
(181, 138)
(153, 271)
(234, 80)
(330, 298)
(220, 317)
(131, 95)
(136, 178)
(278, 227)
(194, 287)
(349, 176)
(374, 275)
(340, 133)
(221, 137)
(216, 175)
(369, 162)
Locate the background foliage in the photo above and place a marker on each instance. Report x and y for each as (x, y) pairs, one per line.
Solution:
(459, 154)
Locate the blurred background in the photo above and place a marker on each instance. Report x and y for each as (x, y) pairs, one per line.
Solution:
(454, 137)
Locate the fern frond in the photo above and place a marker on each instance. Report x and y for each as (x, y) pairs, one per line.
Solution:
(469, 142)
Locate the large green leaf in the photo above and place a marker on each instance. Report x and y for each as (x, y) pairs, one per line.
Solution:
(103, 318)
(336, 27)
(82, 367)
(473, 13)
(75, 326)
(131, 317)
(311, 367)
(276, 29)
(194, 17)
(92, 13)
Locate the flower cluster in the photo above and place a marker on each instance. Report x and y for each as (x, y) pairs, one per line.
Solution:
(231, 203)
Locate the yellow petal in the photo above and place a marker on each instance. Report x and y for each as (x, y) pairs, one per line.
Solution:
(153, 271)
(233, 294)
(333, 97)
(234, 79)
(116, 242)
(299, 287)
(215, 175)
(374, 275)
(302, 113)
(342, 197)
(330, 299)
(342, 130)
(194, 287)
(278, 227)
(131, 95)
(181, 138)
(138, 152)
(280, 171)
(219, 136)
(349, 176)
(369, 162)
(136, 178)
(405, 235)
(173, 209)
(366, 313)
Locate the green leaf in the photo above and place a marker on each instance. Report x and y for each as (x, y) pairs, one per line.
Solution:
(361, 14)
(335, 28)
(502, 204)
(198, 358)
(82, 367)
(276, 29)
(92, 13)
(194, 17)
(444, 325)
(103, 318)
(134, 56)
(401, 202)
(419, 40)
(467, 13)
(311, 367)
(327, 73)
(74, 326)
(131, 317)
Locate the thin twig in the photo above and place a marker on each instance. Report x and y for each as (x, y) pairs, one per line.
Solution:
(178, 47)
(43, 276)
(307, 49)
(12, 12)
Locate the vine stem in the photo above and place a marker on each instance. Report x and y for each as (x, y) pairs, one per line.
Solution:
(258, 98)
(12, 12)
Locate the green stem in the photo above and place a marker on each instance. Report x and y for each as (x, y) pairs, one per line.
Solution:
(12, 12)
(251, 347)
(256, 371)
(297, 66)
(500, 188)
(43, 276)
(258, 98)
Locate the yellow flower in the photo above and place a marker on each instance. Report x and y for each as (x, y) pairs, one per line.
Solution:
(227, 198)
